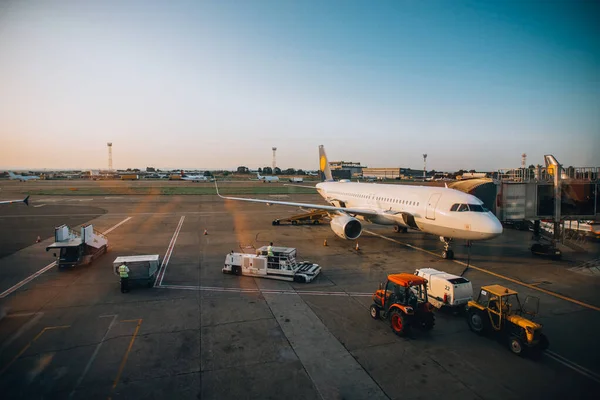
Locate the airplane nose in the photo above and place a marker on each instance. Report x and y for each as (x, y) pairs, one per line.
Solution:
(495, 227)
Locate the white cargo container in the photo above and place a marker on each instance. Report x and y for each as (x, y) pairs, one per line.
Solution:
(142, 269)
(444, 289)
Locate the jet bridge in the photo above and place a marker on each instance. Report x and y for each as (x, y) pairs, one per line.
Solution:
(550, 193)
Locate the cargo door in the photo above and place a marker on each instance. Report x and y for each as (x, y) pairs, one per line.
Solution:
(431, 205)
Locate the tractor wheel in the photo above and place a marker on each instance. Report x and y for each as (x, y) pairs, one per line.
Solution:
(475, 321)
(374, 310)
(396, 228)
(398, 323)
(236, 270)
(516, 346)
(428, 321)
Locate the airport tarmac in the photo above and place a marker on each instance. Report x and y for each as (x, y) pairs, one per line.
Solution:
(202, 334)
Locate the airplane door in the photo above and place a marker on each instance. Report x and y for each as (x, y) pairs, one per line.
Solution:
(431, 204)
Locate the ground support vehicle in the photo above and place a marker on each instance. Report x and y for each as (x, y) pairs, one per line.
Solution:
(404, 303)
(77, 248)
(313, 217)
(546, 250)
(142, 269)
(499, 312)
(446, 290)
(282, 265)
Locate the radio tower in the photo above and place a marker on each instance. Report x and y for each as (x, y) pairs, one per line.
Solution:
(424, 166)
(109, 144)
(274, 150)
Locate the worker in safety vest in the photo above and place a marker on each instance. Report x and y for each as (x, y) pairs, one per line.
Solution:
(270, 260)
(124, 274)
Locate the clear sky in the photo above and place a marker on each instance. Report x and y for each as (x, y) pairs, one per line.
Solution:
(216, 84)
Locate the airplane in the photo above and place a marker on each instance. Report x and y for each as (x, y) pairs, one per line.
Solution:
(22, 178)
(195, 178)
(441, 211)
(25, 200)
(266, 179)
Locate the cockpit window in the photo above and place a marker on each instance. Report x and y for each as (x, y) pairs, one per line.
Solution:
(477, 208)
(468, 207)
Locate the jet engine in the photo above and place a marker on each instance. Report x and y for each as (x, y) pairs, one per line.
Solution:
(346, 227)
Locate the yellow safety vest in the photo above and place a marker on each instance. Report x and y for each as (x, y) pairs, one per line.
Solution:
(124, 271)
(270, 251)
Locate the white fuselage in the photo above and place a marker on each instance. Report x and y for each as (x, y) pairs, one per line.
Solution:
(426, 208)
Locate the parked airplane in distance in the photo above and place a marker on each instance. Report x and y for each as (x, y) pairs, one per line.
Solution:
(266, 179)
(195, 178)
(441, 211)
(22, 178)
(25, 200)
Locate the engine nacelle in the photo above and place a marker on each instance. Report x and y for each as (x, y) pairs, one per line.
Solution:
(346, 227)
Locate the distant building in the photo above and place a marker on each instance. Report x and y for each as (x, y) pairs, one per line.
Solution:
(353, 168)
(382, 173)
(472, 175)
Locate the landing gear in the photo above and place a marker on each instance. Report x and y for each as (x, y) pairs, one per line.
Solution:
(448, 253)
(398, 228)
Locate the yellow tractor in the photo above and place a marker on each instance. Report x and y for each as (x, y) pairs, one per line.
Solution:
(403, 302)
(499, 312)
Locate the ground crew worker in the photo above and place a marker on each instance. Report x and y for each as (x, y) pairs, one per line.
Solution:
(270, 250)
(124, 274)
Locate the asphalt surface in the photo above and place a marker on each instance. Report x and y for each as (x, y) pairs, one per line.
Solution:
(203, 334)
(33, 221)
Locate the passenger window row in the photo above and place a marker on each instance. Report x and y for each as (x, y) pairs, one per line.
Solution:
(386, 199)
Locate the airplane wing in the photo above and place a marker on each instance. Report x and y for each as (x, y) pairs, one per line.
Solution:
(333, 209)
(25, 200)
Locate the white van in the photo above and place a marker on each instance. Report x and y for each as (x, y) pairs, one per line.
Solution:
(444, 289)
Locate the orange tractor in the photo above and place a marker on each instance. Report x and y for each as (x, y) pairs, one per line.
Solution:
(403, 301)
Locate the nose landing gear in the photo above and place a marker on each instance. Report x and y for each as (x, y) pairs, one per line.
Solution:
(448, 253)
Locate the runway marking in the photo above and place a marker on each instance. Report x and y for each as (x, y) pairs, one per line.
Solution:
(93, 357)
(47, 267)
(124, 360)
(39, 205)
(575, 367)
(29, 324)
(167, 257)
(527, 285)
(116, 226)
(266, 291)
(24, 349)
(27, 280)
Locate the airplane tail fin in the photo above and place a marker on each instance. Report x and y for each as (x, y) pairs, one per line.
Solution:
(26, 200)
(550, 160)
(324, 170)
(11, 174)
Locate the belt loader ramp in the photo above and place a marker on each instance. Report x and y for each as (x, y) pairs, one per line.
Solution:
(77, 248)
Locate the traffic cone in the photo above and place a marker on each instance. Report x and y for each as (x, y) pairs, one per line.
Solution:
(205, 232)
(325, 242)
(357, 248)
(38, 239)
